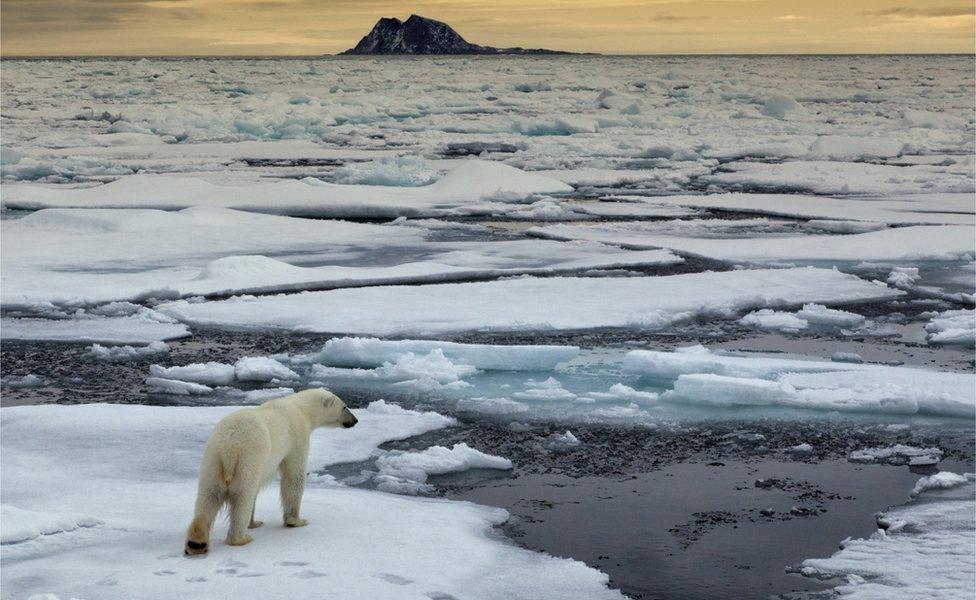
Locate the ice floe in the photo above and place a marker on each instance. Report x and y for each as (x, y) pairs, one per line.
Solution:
(407, 472)
(532, 304)
(703, 377)
(135, 329)
(952, 327)
(102, 255)
(139, 481)
(921, 550)
(896, 244)
(373, 352)
(897, 454)
(811, 315)
(124, 353)
(944, 208)
(460, 191)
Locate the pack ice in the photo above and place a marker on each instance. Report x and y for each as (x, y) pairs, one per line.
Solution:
(701, 376)
(532, 304)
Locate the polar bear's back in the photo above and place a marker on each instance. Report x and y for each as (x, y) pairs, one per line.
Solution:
(250, 443)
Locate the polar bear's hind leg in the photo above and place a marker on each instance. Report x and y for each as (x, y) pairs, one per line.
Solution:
(209, 501)
(241, 497)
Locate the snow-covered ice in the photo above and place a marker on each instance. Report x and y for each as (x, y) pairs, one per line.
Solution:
(124, 353)
(460, 191)
(919, 243)
(141, 492)
(373, 352)
(19, 525)
(145, 198)
(209, 373)
(532, 304)
(921, 550)
(407, 472)
(704, 377)
(136, 329)
(811, 315)
(102, 255)
(898, 453)
(953, 327)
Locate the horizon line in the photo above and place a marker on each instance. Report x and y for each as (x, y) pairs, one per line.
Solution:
(567, 54)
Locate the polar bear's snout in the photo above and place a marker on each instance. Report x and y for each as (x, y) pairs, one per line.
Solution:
(348, 419)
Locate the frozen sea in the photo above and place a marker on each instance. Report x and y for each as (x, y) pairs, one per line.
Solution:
(656, 327)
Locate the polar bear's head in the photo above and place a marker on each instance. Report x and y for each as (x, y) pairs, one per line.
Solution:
(329, 410)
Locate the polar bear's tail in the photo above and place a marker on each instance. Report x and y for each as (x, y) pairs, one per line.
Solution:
(228, 468)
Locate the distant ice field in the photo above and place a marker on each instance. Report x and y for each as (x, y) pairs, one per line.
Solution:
(571, 245)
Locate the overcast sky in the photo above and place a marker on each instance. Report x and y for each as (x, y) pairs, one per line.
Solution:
(209, 27)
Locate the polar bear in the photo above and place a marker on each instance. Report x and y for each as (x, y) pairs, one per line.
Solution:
(243, 453)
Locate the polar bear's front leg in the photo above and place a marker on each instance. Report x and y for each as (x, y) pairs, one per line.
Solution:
(254, 524)
(292, 488)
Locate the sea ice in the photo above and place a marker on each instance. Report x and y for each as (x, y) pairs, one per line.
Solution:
(261, 368)
(459, 191)
(898, 453)
(943, 480)
(139, 480)
(101, 255)
(21, 381)
(561, 442)
(952, 327)
(124, 353)
(945, 243)
(373, 352)
(943, 208)
(532, 304)
(19, 525)
(407, 472)
(136, 329)
(176, 387)
(703, 377)
(774, 320)
(209, 373)
(921, 550)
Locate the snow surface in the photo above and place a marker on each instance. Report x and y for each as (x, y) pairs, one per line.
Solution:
(136, 329)
(19, 525)
(952, 327)
(133, 468)
(815, 315)
(124, 353)
(407, 472)
(921, 550)
(373, 352)
(460, 191)
(704, 377)
(943, 208)
(102, 255)
(897, 453)
(531, 304)
(948, 243)
(209, 373)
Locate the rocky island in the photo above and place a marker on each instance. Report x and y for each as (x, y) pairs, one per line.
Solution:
(420, 35)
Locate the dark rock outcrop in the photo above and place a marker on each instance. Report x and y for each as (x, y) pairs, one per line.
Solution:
(419, 35)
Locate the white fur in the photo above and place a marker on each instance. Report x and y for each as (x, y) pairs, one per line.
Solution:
(245, 450)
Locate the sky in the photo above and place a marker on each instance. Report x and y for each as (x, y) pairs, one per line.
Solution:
(310, 27)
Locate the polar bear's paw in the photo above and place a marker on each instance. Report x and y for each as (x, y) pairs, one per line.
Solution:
(193, 548)
(240, 541)
(295, 522)
(255, 524)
